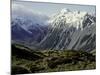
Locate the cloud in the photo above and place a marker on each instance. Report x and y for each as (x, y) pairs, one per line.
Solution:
(19, 10)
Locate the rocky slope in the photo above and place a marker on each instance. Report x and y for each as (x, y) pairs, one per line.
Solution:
(71, 30)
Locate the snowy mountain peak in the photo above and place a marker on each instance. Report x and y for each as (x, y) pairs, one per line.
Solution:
(72, 30)
(67, 18)
(65, 10)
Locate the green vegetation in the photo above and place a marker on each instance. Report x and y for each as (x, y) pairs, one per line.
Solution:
(25, 60)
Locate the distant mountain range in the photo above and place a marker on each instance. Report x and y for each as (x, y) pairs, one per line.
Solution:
(27, 26)
(24, 31)
(72, 30)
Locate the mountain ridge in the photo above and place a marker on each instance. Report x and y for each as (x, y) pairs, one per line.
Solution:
(65, 30)
(67, 33)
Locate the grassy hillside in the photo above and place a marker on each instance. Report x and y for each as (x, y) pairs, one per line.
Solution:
(25, 60)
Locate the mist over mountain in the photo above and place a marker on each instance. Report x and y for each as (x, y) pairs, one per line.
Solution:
(66, 30)
(28, 26)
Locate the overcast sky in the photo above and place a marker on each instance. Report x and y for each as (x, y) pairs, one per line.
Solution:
(49, 8)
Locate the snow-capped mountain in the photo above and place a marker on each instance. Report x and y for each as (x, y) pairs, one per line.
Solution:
(71, 19)
(71, 30)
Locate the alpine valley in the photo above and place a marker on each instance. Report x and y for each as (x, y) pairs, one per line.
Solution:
(64, 41)
(67, 29)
